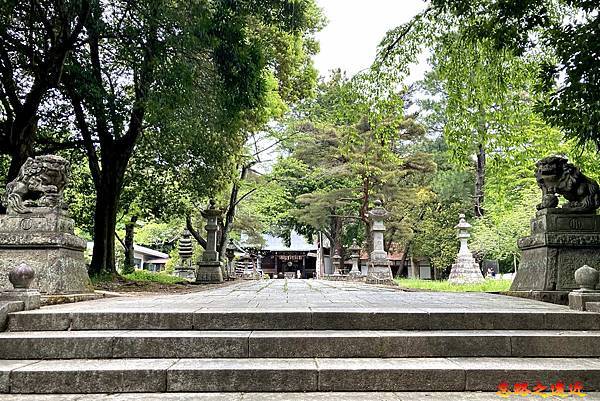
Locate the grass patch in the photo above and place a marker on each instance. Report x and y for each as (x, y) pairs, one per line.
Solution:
(444, 286)
(144, 276)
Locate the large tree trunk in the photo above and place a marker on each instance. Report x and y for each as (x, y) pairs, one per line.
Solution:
(230, 215)
(108, 191)
(22, 146)
(129, 264)
(479, 181)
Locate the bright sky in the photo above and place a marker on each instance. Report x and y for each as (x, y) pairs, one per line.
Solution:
(355, 28)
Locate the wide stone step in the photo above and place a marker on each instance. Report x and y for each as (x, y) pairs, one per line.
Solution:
(323, 396)
(292, 375)
(297, 344)
(48, 319)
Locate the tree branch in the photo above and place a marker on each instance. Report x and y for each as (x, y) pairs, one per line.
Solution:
(403, 34)
(120, 240)
(190, 227)
(244, 196)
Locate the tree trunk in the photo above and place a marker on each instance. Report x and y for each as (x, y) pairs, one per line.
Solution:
(129, 265)
(22, 142)
(108, 191)
(230, 215)
(479, 181)
(404, 251)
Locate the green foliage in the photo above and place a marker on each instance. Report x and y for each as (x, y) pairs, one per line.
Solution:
(490, 285)
(161, 278)
(567, 29)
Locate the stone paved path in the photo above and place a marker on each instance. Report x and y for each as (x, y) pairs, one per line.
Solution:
(311, 295)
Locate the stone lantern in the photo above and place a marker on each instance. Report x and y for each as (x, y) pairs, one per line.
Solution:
(355, 256)
(210, 269)
(465, 270)
(379, 264)
(337, 263)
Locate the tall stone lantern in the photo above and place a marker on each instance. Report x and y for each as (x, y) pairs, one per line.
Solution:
(337, 263)
(465, 270)
(355, 256)
(379, 264)
(210, 269)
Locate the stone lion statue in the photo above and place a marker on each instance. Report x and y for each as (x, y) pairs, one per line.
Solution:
(40, 185)
(556, 176)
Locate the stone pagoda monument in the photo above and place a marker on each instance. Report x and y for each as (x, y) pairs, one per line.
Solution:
(186, 249)
(37, 230)
(210, 268)
(562, 238)
(380, 270)
(465, 270)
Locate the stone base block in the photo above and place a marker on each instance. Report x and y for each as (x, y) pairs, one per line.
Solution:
(379, 273)
(560, 243)
(46, 243)
(58, 270)
(578, 299)
(553, 297)
(465, 271)
(186, 273)
(209, 272)
(31, 298)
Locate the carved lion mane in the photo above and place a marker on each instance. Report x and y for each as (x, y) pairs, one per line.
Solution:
(556, 176)
(40, 184)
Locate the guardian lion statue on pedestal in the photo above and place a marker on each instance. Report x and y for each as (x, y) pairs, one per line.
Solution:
(39, 185)
(556, 176)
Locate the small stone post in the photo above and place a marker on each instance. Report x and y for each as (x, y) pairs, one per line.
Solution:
(21, 278)
(379, 265)
(465, 270)
(337, 262)
(210, 269)
(586, 278)
(355, 256)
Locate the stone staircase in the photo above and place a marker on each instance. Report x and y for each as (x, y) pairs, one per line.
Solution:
(49, 351)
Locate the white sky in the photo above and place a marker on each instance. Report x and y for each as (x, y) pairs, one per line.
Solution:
(355, 28)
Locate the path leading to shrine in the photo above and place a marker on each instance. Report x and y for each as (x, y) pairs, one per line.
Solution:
(292, 336)
(310, 295)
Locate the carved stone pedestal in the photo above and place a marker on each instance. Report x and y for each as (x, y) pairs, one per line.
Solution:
(465, 270)
(209, 272)
(47, 243)
(380, 273)
(560, 242)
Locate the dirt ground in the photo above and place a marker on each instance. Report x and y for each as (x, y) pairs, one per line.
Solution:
(143, 287)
